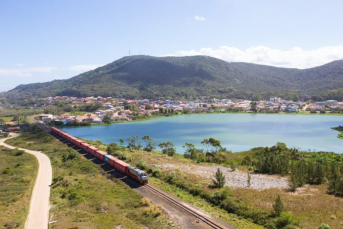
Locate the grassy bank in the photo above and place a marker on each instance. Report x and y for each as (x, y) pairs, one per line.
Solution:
(309, 206)
(84, 195)
(18, 172)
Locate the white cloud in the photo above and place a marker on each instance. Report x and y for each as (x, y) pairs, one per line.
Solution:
(25, 72)
(293, 58)
(199, 18)
(83, 68)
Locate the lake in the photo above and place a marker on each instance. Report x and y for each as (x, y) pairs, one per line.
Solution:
(237, 132)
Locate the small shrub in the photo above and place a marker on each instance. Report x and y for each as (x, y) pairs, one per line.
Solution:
(233, 166)
(69, 156)
(12, 224)
(286, 219)
(324, 226)
(75, 198)
(219, 179)
(7, 171)
(156, 172)
(278, 206)
(18, 152)
(333, 217)
(145, 202)
(153, 211)
(218, 197)
(142, 165)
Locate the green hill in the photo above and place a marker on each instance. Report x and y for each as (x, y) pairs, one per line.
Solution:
(190, 77)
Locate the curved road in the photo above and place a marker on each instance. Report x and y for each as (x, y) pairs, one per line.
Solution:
(39, 206)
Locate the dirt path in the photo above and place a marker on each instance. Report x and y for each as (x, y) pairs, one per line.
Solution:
(39, 205)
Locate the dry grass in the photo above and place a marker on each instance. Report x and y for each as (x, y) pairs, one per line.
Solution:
(17, 176)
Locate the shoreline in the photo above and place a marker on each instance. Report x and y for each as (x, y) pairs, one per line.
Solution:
(201, 113)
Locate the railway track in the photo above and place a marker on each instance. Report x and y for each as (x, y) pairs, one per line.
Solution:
(190, 211)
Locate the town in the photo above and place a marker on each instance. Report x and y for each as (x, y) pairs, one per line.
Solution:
(74, 111)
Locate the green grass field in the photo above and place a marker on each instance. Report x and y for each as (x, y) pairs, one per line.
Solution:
(17, 175)
(312, 205)
(84, 196)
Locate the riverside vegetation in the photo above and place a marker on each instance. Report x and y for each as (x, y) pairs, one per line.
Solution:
(17, 175)
(84, 195)
(271, 208)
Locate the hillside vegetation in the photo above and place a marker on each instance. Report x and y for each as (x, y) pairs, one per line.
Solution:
(191, 77)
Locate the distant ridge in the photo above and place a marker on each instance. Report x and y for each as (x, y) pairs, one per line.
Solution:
(190, 77)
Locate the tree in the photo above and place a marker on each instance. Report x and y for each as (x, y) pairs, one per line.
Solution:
(253, 106)
(149, 143)
(121, 141)
(106, 119)
(111, 148)
(167, 148)
(278, 206)
(214, 143)
(134, 143)
(249, 180)
(190, 151)
(219, 179)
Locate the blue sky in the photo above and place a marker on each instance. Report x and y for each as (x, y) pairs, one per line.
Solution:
(45, 40)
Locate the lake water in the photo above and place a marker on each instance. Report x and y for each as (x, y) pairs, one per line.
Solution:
(237, 132)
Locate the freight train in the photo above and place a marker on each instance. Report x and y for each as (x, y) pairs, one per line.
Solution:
(119, 165)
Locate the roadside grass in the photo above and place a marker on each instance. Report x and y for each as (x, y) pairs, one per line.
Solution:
(311, 204)
(18, 171)
(84, 195)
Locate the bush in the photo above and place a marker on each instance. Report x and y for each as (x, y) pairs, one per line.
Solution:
(324, 226)
(278, 206)
(218, 197)
(145, 202)
(69, 156)
(18, 152)
(219, 179)
(233, 166)
(153, 211)
(286, 219)
(75, 198)
(7, 171)
(142, 165)
(156, 172)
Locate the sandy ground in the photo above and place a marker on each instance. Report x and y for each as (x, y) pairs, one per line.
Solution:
(39, 205)
(234, 179)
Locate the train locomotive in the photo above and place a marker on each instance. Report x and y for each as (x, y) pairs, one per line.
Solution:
(136, 174)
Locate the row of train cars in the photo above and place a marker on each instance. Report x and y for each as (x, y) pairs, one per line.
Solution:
(117, 164)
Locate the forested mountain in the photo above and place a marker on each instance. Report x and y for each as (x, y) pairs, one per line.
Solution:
(191, 77)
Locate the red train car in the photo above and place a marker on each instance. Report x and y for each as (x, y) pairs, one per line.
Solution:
(78, 142)
(92, 150)
(112, 161)
(84, 146)
(100, 154)
(121, 166)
